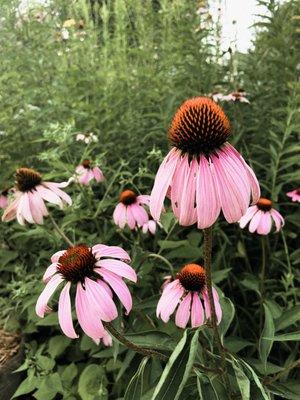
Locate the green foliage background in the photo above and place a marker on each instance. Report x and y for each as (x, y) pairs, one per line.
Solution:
(122, 76)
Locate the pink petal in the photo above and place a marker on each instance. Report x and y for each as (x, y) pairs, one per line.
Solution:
(84, 177)
(65, 313)
(24, 208)
(119, 215)
(100, 300)
(11, 211)
(56, 256)
(183, 311)
(119, 287)
(152, 227)
(129, 217)
(87, 315)
(3, 201)
(265, 223)
(188, 212)
(101, 250)
(177, 183)
(139, 214)
(36, 212)
(169, 300)
(107, 339)
(248, 216)
(119, 268)
(207, 200)
(197, 312)
(143, 199)
(42, 301)
(216, 303)
(255, 221)
(51, 270)
(48, 195)
(278, 219)
(54, 187)
(162, 182)
(98, 175)
(39, 202)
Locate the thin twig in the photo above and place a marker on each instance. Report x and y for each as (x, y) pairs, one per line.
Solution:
(130, 345)
(60, 232)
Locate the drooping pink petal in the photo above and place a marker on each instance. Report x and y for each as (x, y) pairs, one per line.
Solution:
(129, 217)
(143, 199)
(51, 270)
(3, 201)
(49, 195)
(278, 219)
(119, 215)
(183, 312)
(84, 177)
(101, 250)
(170, 302)
(107, 339)
(80, 169)
(36, 212)
(65, 313)
(152, 226)
(118, 286)
(11, 211)
(42, 302)
(98, 174)
(139, 214)
(197, 312)
(54, 187)
(87, 317)
(265, 223)
(188, 211)
(255, 188)
(177, 182)
(100, 300)
(39, 202)
(248, 216)
(162, 182)
(25, 208)
(216, 303)
(168, 288)
(255, 221)
(207, 200)
(119, 268)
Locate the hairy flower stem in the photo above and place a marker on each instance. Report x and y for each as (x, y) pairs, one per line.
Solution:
(207, 265)
(262, 281)
(141, 350)
(60, 232)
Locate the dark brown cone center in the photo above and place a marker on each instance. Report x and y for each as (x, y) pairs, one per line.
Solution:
(192, 277)
(264, 204)
(128, 197)
(27, 179)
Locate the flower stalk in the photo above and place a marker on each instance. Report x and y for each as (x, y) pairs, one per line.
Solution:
(60, 232)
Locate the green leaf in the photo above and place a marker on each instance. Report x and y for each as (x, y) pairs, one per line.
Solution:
(45, 363)
(49, 320)
(205, 388)
(57, 345)
(250, 282)
(242, 380)
(287, 390)
(178, 368)
(267, 335)
(135, 387)
(92, 382)
(253, 375)
(27, 386)
(288, 318)
(49, 387)
(235, 344)
(228, 312)
(287, 337)
(152, 339)
(219, 276)
(69, 374)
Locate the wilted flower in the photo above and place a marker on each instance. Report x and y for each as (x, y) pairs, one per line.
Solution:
(96, 272)
(260, 217)
(294, 195)
(217, 96)
(189, 291)
(203, 173)
(130, 210)
(4, 198)
(239, 97)
(29, 196)
(86, 172)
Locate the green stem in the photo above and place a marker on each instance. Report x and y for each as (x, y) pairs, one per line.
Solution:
(141, 350)
(262, 280)
(60, 232)
(217, 338)
(154, 255)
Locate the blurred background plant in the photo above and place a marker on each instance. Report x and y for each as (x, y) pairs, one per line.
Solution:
(117, 70)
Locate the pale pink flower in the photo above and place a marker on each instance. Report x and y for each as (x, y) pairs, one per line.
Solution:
(28, 198)
(96, 272)
(217, 96)
(150, 226)
(294, 195)
(261, 216)
(4, 198)
(188, 292)
(87, 172)
(130, 210)
(203, 174)
(238, 96)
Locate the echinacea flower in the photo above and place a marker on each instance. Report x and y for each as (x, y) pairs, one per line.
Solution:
(96, 272)
(217, 96)
(188, 291)
(29, 197)
(294, 195)
(4, 198)
(260, 217)
(150, 226)
(130, 210)
(86, 172)
(238, 96)
(203, 173)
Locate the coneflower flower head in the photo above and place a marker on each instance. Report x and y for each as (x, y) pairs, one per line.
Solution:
(203, 173)
(294, 195)
(86, 172)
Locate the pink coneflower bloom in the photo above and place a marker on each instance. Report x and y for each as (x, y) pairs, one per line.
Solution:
(238, 97)
(217, 96)
(86, 172)
(29, 197)
(203, 173)
(188, 291)
(294, 195)
(96, 272)
(4, 198)
(150, 226)
(130, 210)
(260, 217)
